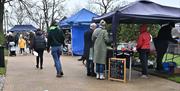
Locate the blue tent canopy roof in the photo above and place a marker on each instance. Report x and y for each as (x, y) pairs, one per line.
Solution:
(84, 16)
(22, 28)
(79, 23)
(143, 11)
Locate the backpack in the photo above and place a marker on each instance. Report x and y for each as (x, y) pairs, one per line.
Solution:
(39, 42)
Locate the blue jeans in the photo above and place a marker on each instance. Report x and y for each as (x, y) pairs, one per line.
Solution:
(56, 52)
(99, 68)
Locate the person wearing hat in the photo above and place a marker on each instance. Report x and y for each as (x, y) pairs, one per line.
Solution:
(161, 43)
(55, 41)
(100, 39)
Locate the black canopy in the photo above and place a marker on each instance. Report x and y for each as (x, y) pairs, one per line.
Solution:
(143, 11)
(23, 28)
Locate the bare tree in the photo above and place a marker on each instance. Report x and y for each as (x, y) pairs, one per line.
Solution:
(44, 11)
(2, 3)
(104, 5)
(93, 8)
(17, 14)
(119, 4)
(56, 8)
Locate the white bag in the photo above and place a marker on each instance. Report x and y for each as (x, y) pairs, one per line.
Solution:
(35, 53)
(152, 46)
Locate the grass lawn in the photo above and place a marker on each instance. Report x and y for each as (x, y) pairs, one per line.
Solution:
(177, 60)
(175, 78)
(5, 52)
(3, 69)
(169, 56)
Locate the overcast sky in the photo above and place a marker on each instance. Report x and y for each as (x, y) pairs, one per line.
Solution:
(72, 5)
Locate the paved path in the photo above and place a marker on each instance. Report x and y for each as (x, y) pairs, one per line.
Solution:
(23, 76)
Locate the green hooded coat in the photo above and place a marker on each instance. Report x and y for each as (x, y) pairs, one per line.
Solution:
(100, 38)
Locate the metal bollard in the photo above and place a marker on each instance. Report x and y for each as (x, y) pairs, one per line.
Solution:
(2, 64)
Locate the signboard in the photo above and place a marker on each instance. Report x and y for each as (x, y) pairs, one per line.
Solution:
(117, 69)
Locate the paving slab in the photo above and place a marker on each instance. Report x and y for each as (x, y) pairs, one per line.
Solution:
(23, 76)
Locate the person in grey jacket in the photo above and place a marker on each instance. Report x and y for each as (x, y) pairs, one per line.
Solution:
(100, 39)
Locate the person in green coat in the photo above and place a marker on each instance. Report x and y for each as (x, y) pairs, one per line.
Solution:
(100, 39)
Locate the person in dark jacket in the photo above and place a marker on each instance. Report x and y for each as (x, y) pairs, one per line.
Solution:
(161, 43)
(55, 41)
(39, 45)
(88, 47)
(31, 37)
(143, 47)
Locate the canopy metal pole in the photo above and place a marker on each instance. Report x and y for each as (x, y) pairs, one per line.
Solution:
(115, 22)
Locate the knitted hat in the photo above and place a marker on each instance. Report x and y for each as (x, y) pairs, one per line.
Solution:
(102, 23)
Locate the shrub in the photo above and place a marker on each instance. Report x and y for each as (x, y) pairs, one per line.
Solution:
(2, 38)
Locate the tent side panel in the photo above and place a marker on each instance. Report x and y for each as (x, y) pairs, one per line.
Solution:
(78, 39)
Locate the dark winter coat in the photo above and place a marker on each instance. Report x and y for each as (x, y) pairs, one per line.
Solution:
(55, 37)
(39, 42)
(87, 43)
(164, 36)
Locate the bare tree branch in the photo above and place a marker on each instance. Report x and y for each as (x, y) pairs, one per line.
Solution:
(6, 1)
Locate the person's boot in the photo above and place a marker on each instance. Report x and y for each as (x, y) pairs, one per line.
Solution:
(58, 75)
(37, 66)
(62, 73)
(41, 67)
(93, 74)
(88, 74)
(101, 76)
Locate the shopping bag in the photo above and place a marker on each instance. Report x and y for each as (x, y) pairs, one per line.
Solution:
(35, 53)
(152, 46)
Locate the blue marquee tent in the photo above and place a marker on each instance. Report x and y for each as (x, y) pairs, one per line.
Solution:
(79, 23)
(22, 28)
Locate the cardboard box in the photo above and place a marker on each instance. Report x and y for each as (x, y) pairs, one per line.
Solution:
(177, 71)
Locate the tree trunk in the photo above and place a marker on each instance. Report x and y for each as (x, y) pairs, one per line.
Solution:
(1, 16)
(52, 18)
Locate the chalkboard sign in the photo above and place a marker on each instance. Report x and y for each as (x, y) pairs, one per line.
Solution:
(117, 69)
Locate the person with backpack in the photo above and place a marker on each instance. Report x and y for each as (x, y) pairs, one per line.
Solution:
(39, 45)
(55, 41)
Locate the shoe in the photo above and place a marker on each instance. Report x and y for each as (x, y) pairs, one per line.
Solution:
(101, 76)
(62, 73)
(88, 74)
(37, 66)
(97, 76)
(58, 75)
(41, 67)
(144, 76)
(93, 74)
(80, 59)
